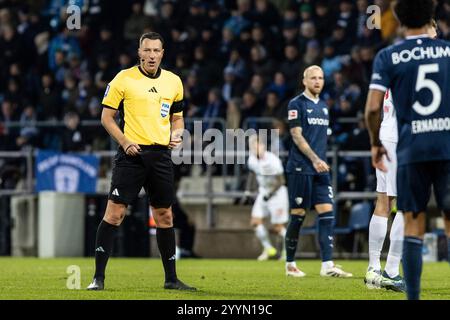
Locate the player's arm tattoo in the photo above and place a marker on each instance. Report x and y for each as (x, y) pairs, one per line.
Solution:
(302, 144)
(373, 115)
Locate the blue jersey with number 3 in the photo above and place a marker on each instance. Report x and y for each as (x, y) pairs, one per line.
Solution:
(312, 117)
(417, 70)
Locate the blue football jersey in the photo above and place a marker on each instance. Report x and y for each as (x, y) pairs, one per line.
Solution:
(312, 117)
(417, 70)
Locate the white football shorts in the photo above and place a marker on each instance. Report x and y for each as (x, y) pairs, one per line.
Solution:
(277, 207)
(387, 181)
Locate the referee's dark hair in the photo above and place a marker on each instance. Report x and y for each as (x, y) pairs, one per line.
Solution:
(414, 13)
(151, 36)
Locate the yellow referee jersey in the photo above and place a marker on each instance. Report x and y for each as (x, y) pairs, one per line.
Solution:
(148, 103)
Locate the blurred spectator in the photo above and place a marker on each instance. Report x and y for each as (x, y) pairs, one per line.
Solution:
(29, 133)
(346, 18)
(73, 138)
(70, 95)
(167, 19)
(64, 42)
(14, 93)
(340, 40)
(100, 139)
(260, 63)
(305, 12)
(195, 95)
(125, 61)
(284, 136)
(7, 134)
(249, 108)
(258, 86)
(182, 65)
(291, 66)
(87, 96)
(444, 27)
(311, 57)
(323, 19)
(61, 67)
(233, 118)
(208, 72)
(11, 47)
(196, 20)
(389, 24)
(214, 109)
(290, 32)
(307, 33)
(49, 100)
(233, 86)
(266, 14)
(106, 47)
(135, 23)
(272, 106)
(237, 63)
(354, 70)
(361, 20)
(104, 74)
(227, 43)
(279, 86)
(240, 18)
(216, 18)
(331, 62)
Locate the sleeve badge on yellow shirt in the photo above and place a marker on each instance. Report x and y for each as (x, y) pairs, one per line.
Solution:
(165, 107)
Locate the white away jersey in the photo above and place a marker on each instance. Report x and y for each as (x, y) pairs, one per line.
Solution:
(266, 169)
(388, 129)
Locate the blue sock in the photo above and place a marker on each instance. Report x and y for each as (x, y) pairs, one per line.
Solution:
(326, 235)
(292, 233)
(412, 266)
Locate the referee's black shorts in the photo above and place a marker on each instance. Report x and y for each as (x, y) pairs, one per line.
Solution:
(151, 169)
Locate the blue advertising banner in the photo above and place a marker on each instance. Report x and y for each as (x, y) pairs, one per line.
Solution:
(66, 172)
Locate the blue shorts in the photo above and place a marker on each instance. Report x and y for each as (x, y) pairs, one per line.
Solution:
(306, 191)
(414, 183)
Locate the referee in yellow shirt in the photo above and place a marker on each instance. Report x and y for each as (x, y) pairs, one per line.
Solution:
(150, 104)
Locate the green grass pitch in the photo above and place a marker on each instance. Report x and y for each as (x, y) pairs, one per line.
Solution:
(32, 278)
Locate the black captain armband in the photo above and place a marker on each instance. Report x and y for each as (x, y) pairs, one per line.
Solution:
(177, 107)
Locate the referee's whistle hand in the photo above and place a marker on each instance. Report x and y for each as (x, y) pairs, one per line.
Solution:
(175, 143)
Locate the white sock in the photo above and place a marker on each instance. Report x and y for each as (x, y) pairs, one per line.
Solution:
(327, 264)
(396, 247)
(377, 233)
(291, 264)
(282, 235)
(263, 236)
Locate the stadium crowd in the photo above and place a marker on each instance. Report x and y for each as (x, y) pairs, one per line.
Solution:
(238, 60)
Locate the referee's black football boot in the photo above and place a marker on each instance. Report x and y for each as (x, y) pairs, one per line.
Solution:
(178, 285)
(96, 284)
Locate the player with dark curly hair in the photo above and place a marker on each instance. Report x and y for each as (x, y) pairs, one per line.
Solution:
(417, 71)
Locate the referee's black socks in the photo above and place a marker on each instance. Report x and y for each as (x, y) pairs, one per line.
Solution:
(103, 247)
(166, 244)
